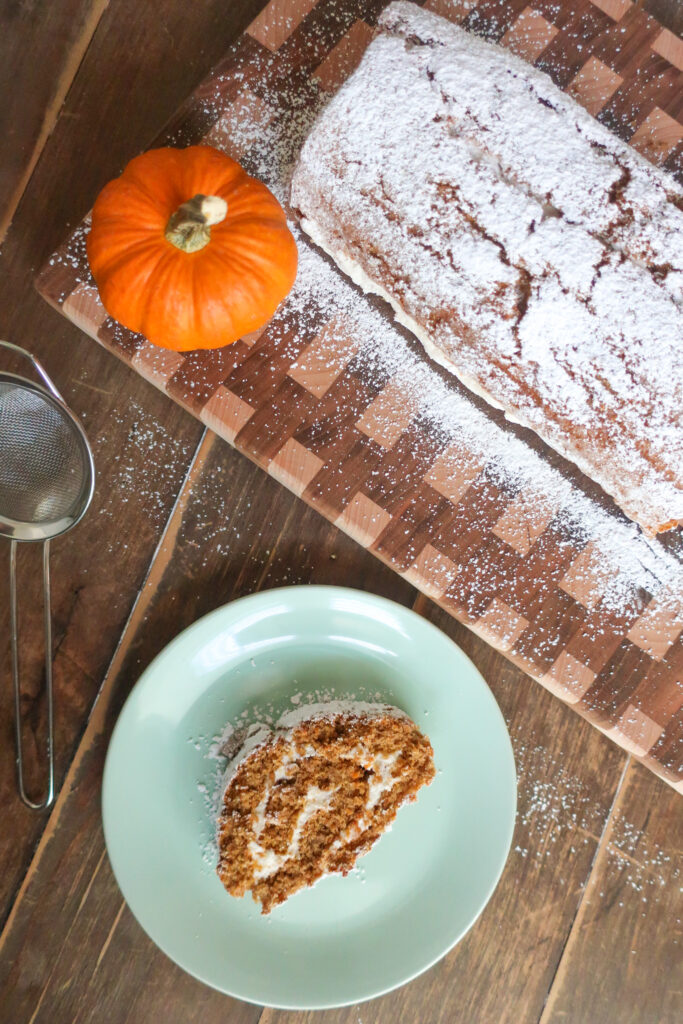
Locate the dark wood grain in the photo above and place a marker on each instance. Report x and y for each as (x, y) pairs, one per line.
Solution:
(41, 46)
(668, 12)
(68, 952)
(71, 950)
(139, 66)
(624, 959)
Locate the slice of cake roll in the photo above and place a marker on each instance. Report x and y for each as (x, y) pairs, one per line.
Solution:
(310, 796)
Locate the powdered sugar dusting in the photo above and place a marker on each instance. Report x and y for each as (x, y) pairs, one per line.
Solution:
(143, 463)
(632, 565)
(549, 286)
(238, 742)
(646, 866)
(630, 560)
(331, 708)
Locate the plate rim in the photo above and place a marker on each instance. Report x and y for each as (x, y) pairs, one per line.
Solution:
(325, 592)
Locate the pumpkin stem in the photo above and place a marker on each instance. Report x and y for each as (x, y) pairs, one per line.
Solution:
(189, 228)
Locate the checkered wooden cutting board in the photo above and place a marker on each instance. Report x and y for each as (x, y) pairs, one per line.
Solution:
(299, 400)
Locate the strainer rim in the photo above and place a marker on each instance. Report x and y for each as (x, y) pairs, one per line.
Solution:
(29, 531)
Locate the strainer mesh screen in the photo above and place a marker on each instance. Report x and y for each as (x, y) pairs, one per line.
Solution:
(43, 464)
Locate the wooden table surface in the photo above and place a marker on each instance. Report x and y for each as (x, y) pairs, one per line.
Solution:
(585, 926)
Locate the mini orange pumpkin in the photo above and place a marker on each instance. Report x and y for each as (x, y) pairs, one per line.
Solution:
(188, 249)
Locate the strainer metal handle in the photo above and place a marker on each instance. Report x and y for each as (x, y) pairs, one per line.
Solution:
(37, 366)
(47, 640)
(47, 637)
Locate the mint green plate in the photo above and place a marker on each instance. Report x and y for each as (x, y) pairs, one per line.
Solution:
(418, 890)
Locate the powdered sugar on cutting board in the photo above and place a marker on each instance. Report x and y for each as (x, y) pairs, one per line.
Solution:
(632, 565)
(630, 561)
(532, 253)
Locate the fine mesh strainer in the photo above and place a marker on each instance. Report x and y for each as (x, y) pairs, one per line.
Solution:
(47, 478)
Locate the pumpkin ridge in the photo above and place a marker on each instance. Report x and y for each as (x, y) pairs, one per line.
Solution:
(112, 263)
(254, 258)
(248, 265)
(131, 187)
(162, 276)
(148, 280)
(246, 219)
(202, 299)
(142, 169)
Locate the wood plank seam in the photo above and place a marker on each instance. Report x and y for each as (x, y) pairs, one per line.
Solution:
(54, 109)
(46, 981)
(96, 715)
(110, 935)
(575, 926)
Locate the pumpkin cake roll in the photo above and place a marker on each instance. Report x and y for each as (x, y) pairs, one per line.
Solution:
(536, 256)
(308, 797)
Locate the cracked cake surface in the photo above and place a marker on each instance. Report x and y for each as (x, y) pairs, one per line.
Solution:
(535, 255)
(309, 796)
